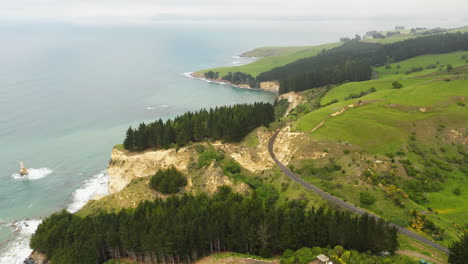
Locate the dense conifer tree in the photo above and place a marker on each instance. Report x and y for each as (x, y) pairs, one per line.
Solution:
(229, 123)
(183, 229)
(459, 251)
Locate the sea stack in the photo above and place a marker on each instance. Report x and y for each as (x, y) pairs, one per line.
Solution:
(23, 170)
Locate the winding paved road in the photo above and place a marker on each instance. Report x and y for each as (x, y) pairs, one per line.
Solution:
(342, 203)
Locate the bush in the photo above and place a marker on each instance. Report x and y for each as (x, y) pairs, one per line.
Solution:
(346, 151)
(414, 69)
(206, 157)
(461, 103)
(397, 85)
(449, 67)
(168, 181)
(457, 191)
(268, 194)
(231, 167)
(366, 198)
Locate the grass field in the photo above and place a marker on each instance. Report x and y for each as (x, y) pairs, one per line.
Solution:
(438, 60)
(450, 205)
(384, 124)
(389, 117)
(406, 35)
(392, 39)
(387, 76)
(285, 55)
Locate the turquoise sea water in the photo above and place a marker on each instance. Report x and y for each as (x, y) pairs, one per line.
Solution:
(68, 93)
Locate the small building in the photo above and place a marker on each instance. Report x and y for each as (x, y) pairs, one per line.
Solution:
(321, 259)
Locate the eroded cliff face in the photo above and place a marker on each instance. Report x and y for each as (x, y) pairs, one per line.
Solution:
(270, 86)
(288, 143)
(254, 159)
(294, 100)
(124, 167)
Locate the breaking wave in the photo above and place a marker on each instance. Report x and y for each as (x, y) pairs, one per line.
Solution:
(17, 249)
(33, 174)
(97, 185)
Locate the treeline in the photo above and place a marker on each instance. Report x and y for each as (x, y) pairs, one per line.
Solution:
(235, 78)
(183, 229)
(211, 75)
(240, 78)
(361, 94)
(229, 123)
(353, 61)
(348, 62)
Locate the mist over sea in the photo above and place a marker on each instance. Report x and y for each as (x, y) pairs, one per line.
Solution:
(68, 93)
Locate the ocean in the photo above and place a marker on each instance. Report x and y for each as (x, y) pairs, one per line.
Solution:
(68, 93)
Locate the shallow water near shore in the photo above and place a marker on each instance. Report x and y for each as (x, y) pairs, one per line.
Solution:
(68, 94)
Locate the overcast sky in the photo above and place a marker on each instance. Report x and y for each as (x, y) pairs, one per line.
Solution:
(158, 11)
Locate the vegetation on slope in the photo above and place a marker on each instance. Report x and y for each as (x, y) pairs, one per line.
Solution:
(168, 181)
(352, 61)
(340, 255)
(186, 228)
(230, 123)
(272, 57)
(402, 146)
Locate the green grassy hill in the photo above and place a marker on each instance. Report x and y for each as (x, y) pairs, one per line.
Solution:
(406, 34)
(273, 57)
(394, 138)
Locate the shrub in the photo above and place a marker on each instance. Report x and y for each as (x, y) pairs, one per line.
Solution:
(461, 103)
(366, 198)
(457, 191)
(206, 157)
(449, 67)
(168, 181)
(414, 69)
(231, 167)
(268, 194)
(346, 151)
(397, 85)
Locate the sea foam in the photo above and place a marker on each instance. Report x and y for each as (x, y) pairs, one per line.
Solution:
(97, 185)
(17, 250)
(33, 174)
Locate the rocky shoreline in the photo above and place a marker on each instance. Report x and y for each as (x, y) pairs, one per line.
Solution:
(264, 86)
(36, 258)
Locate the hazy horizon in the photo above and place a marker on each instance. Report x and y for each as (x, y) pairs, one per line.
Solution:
(243, 12)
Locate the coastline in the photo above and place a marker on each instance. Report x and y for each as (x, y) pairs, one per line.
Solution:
(197, 76)
(17, 251)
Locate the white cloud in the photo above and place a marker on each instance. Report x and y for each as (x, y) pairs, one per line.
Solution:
(145, 11)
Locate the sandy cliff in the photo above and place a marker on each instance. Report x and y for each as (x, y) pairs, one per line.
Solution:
(294, 100)
(124, 167)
